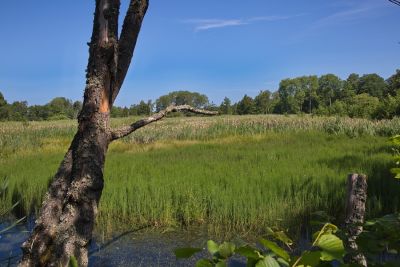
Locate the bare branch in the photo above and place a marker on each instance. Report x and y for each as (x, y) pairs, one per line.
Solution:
(124, 131)
(397, 2)
(127, 42)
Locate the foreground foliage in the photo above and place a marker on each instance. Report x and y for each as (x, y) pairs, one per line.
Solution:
(379, 242)
(271, 252)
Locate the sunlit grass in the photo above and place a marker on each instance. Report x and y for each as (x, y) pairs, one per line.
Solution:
(232, 173)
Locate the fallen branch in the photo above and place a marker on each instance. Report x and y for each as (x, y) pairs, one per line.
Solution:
(126, 130)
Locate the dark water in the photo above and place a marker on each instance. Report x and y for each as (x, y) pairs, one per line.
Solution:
(139, 247)
(10, 243)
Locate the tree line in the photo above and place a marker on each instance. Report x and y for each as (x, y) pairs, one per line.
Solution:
(62, 108)
(57, 109)
(366, 96)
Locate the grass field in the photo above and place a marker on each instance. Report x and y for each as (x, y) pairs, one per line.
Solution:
(232, 173)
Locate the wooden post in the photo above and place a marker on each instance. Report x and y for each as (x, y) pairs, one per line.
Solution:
(355, 213)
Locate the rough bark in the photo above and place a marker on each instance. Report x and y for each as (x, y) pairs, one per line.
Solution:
(66, 220)
(355, 213)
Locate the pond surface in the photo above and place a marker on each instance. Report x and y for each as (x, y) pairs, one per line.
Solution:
(140, 247)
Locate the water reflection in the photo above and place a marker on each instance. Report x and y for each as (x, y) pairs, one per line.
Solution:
(139, 247)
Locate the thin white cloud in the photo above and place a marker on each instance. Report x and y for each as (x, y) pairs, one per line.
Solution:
(269, 18)
(344, 12)
(354, 12)
(347, 15)
(207, 24)
(212, 24)
(274, 18)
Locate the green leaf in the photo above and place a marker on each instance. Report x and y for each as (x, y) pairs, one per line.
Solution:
(73, 262)
(226, 249)
(309, 259)
(282, 262)
(212, 247)
(276, 249)
(183, 253)
(268, 261)
(204, 263)
(397, 173)
(328, 228)
(331, 246)
(248, 252)
(280, 235)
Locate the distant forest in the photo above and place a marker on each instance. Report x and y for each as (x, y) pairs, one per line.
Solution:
(367, 96)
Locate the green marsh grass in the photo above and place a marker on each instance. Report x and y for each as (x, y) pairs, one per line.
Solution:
(232, 173)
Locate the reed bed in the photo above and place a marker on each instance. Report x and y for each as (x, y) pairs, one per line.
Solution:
(234, 173)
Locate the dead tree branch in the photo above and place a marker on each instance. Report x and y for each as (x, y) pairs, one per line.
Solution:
(127, 42)
(124, 131)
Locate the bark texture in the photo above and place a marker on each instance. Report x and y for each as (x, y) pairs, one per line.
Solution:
(355, 213)
(66, 220)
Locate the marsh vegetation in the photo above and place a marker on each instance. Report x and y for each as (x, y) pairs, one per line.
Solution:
(232, 173)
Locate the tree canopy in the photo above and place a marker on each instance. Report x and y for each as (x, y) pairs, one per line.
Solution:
(193, 99)
(368, 96)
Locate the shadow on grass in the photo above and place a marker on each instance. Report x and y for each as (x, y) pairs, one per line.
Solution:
(383, 190)
(23, 208)
(19, 210)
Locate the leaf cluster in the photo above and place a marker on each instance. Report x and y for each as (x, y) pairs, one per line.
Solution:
(273, 251)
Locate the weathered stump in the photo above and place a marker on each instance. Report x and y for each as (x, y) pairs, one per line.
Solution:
(355, 213)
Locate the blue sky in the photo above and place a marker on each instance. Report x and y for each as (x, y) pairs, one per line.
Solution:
(219, 48)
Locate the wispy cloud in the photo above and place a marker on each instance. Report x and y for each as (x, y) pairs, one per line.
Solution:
(275, 18)
(353, 12)
(346, 15)
(340, 13)
(207, 24)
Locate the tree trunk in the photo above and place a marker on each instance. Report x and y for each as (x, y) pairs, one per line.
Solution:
(66, 220)
(67, 217)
